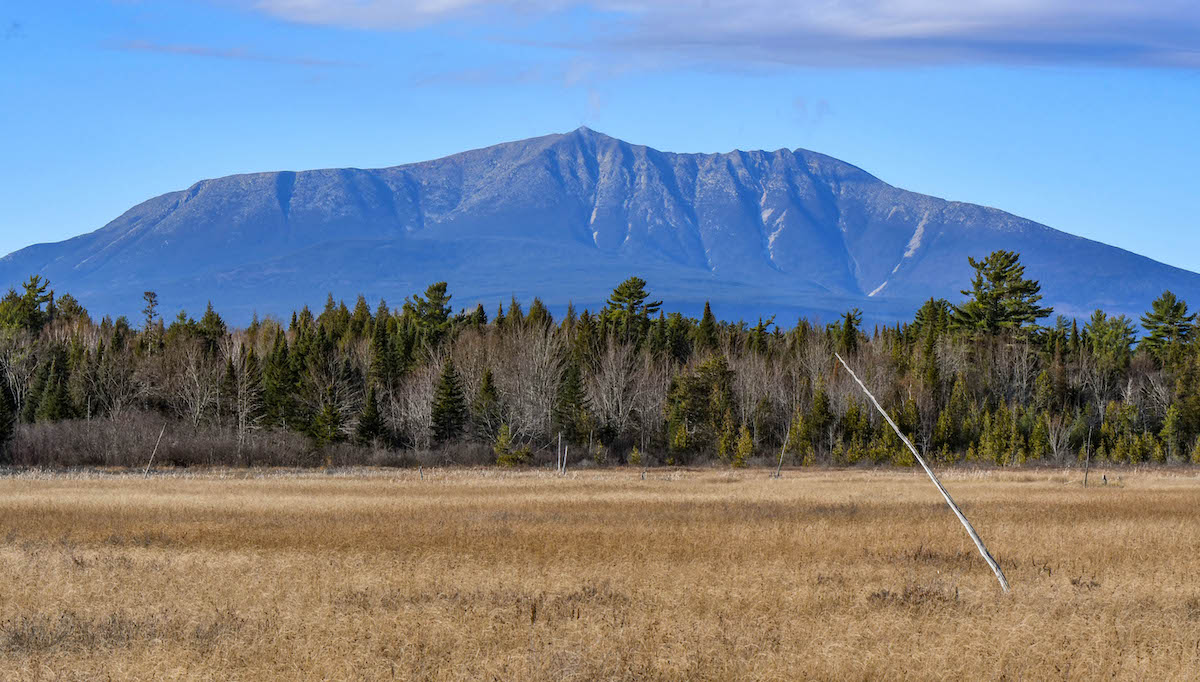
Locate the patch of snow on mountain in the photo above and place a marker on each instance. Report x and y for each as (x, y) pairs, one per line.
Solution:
(915, 242)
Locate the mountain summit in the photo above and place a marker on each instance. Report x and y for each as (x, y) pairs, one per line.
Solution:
(566, 217)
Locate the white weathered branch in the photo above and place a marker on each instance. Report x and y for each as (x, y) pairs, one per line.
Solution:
(954, 507)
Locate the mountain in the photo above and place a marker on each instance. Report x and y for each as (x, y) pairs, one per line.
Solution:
(567, 217)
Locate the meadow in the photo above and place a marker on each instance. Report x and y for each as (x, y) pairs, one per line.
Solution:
(699, 574)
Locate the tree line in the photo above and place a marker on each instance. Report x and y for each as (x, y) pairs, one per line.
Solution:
(989, 380)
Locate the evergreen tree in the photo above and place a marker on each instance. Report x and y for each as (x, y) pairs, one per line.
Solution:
(539, 317)
(54, 404)
(7, 428)
(627, 313)
(745, 448)
(706, 331)
(382, 368)
(370, 423)
(326, 427)
(1001, 299)
(449, 409)
(69, 308)
(571, 403)
(431, 312)
(280, 382)
(848, 334)
(1110, 340)
(151, 309)
(507, 455)
(1171, 431)
(25, 311)
(34, 398)
(211, 327)
(1168, 327)
(485, 409)
(478, 317)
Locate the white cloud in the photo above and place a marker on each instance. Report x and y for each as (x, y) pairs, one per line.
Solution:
(828, 32)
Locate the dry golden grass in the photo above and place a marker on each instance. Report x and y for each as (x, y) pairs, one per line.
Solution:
(685, 575)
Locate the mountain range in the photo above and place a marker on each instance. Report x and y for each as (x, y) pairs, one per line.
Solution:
(568, 216)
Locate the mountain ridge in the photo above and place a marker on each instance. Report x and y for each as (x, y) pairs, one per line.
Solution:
(792, 228)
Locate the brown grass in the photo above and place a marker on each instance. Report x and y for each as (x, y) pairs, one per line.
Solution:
(518, 576)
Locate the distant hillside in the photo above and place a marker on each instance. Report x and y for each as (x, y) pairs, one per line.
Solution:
(566, 217)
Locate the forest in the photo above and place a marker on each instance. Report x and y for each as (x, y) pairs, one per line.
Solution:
(993, 380)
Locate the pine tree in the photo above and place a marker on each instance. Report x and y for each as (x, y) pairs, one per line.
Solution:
(1001, 299)
(449, 409)
(431, 312)
(627, 313)
(1168, 326)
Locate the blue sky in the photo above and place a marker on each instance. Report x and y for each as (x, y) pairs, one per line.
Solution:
(1082, 116)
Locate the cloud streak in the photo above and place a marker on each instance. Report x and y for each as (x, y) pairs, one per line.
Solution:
(1153, 33)
(233, 53)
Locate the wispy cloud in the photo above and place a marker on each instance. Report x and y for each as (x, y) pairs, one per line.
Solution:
(1162, 33)
(236, 53)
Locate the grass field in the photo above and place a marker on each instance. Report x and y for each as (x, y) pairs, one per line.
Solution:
(600, 575)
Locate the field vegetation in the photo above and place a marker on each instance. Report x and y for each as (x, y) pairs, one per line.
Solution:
(712, 574)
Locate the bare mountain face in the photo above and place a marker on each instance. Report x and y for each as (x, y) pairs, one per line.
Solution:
(567, 217)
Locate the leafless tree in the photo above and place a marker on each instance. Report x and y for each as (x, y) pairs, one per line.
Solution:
(1058, 426)
(611, 386)
(18, 363)
(409, 409)
(194, 384)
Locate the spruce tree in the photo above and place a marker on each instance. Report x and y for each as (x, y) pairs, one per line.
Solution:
(54, 404)
(745, 448)
(228, 395)
(280, 382)
(449, 409)
(485, 408)
(848, 333)
(571, 403)
(326, 427)
(370, 423)
(382, 368)
(706, 331)
(1170, 432)
(34, 397)
(7, 428)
